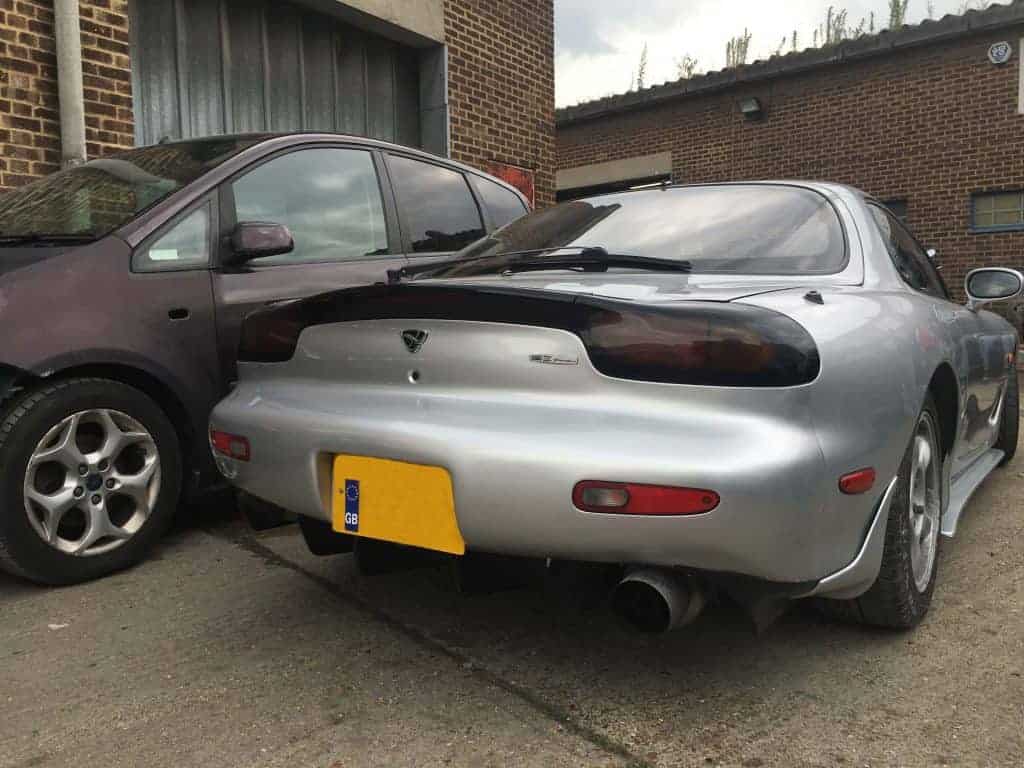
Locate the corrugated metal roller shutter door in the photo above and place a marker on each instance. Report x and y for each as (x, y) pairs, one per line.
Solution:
(206, 67)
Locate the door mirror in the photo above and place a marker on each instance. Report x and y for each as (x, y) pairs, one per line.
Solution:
(256, 240)
(993, 284)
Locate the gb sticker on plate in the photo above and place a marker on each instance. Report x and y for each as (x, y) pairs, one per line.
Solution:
(352, 506)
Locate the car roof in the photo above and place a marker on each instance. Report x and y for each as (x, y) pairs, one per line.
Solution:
(826, 188)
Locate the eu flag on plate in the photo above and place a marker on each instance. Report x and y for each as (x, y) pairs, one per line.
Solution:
(352, 506)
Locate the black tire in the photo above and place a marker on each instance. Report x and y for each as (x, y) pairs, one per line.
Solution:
(23, 424)
(894, 601)
(1010, 427)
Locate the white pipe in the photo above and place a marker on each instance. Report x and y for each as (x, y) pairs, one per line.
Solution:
(69, 82)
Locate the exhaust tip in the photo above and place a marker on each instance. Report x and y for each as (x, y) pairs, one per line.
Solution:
(644, 607)
(656, 601)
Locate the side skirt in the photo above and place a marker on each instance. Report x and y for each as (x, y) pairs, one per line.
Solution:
(964, 486)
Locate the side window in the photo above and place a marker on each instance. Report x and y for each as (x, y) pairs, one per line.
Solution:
(329, 199)
(438, 207)
(503, 204)
(186, 245)
(910, 260)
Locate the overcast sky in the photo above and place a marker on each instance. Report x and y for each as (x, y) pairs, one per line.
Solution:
(598, 42)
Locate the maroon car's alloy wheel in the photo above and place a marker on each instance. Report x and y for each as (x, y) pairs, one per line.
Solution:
(92, 482)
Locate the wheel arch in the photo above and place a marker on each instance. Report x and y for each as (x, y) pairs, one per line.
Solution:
(144, 381)
(945, 392)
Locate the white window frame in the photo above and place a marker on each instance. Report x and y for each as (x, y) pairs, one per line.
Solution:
(1020, 58)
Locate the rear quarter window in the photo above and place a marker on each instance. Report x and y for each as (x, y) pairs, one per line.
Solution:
(503, 204)
(437, 206)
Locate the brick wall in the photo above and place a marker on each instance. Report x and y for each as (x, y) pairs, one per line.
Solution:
(29, 118)
(501, 65)
(502, 85)
(930, 125)
(106, 77)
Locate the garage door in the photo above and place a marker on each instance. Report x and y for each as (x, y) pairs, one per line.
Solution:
(206, 67)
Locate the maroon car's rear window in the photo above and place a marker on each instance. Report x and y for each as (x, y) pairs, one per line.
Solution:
(96, 198)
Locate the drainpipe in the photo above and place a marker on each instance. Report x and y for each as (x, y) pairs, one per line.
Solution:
(69, 82)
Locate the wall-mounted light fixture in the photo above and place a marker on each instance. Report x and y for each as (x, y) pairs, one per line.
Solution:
(751, 108)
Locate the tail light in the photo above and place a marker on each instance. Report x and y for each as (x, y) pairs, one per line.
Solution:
(232, 446)
(638, 499)
(704, 343)
(855, 483)
(691, 342)
(270, 335)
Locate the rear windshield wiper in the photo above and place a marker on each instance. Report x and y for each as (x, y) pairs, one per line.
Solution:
(599, 263)
(587, 259)
(42, 238)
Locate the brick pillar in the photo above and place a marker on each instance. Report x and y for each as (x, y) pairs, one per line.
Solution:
(501, 86)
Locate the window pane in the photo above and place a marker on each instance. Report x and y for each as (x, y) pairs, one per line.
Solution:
(438, 206)
(908, 257)
(898, 206)
(752, 229)
(185, 246)
(984, 203)
(984, 219)
(1007, 218)
(1007, 201)
(885, 228)
(999, 209)
(503, 204)
(328, 198)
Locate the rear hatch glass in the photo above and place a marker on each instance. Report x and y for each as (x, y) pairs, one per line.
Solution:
(739, 229)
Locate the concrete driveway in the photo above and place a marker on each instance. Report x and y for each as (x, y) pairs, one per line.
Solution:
(236, 649)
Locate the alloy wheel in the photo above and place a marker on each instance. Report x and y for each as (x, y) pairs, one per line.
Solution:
(92, 482)
(925, 502)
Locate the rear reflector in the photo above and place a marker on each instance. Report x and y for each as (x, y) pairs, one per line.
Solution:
(636, 499)
(861, 481)
(226, 444)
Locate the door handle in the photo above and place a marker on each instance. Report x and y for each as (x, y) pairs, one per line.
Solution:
(178, 313)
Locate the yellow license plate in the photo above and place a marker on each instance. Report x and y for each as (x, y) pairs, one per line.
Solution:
(394, 501)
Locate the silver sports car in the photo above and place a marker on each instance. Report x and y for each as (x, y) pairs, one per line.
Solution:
(758, 389)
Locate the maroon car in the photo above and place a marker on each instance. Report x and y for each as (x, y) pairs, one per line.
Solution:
(123, 284)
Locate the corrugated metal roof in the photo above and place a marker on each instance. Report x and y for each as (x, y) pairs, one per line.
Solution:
(926, 33)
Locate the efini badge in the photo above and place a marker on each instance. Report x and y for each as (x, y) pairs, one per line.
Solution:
(352, 506)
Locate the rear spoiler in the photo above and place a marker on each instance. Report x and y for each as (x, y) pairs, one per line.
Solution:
(692, 342)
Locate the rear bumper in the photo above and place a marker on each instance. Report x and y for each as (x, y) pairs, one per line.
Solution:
(513, 467)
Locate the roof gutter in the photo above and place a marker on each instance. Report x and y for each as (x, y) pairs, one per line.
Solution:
(69, 82)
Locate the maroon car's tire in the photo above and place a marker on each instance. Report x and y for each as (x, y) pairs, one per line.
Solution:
(133, 497)
(901, 595)
(1010, 428)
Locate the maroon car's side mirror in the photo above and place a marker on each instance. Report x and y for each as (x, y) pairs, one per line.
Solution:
(255, 240)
